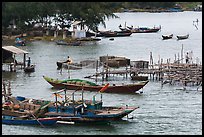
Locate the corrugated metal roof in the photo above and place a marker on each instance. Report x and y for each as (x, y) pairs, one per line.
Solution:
(14, 50)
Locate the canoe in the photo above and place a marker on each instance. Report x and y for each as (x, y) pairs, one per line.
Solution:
(11, 120)
(167, 36)
(180, 37)
(73, 85)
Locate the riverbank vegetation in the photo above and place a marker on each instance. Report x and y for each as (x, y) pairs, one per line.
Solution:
(20, 17)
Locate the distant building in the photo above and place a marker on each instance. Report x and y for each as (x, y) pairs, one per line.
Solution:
(198, 8)
(78, 33)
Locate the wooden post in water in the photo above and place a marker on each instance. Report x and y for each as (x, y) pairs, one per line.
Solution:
(24, 60)
(182, 54)
(68, 71)
(96, 70)
(14, 63)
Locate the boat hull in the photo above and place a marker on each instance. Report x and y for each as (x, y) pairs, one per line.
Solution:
(182, 37)
(43, 121)
(106, 116)
(130, 88)
(167, 36)
(30, 68)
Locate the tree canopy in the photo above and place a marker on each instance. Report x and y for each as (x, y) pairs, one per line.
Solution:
(91, 14)
(25, 14)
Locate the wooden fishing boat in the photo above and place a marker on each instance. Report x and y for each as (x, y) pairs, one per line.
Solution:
(86, 110)
(30, 68)
(43, 112)
(116, 33)
(61, 42)
(11, 120)
(122, 33)
(23, 111)
(167, 36)
(74, 66)
(144, 29)
(75, 43)
(73, 85)
(180, 37)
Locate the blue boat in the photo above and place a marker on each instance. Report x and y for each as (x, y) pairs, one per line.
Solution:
(86, 111)
(21, 110)
(12, 120)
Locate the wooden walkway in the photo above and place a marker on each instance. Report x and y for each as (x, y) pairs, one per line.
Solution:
(166, 73)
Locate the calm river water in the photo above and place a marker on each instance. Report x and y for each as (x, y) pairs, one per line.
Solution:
(163, 110)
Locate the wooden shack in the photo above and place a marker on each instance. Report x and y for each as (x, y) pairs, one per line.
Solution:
(141, 64)
(113, 61)
(9, 57)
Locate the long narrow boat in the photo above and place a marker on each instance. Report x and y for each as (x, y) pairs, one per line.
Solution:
(82, 110)
(180, 37)
(69, 110)
(61, 42)
(116, 33)
(74, 85)
(167, 36)
(11, 120)
(144, 29)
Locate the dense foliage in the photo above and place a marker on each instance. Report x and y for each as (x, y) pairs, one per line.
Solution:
(26, 14)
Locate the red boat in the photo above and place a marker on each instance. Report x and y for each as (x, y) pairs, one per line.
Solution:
(89, 86)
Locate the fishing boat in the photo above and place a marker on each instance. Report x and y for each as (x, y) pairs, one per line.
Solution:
(115, 33)
(30, 68)
(83, 111)
(22, 110)
(144, 29)
(74, 43)
(11, 120)
(180, 37)
(74, 66)
(74, 85)
(61, 42)
(167, 36)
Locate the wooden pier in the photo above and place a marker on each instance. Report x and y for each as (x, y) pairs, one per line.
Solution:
(172, 73)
